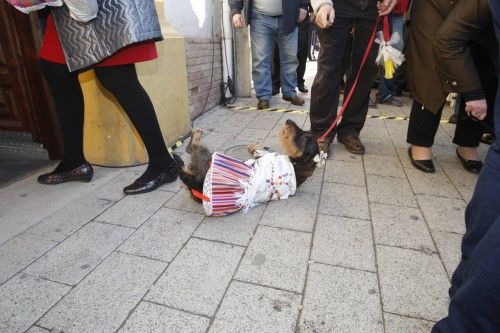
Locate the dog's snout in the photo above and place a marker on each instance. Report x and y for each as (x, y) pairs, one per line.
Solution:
(289, 122)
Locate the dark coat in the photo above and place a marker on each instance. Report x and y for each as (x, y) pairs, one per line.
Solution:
(444, 29)
(290, 11)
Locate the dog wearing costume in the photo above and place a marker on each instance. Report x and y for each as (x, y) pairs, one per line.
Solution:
(226, 185)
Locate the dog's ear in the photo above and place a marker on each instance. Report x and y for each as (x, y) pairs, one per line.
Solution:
(311, 146)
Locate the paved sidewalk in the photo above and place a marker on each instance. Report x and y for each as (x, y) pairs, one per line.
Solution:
(367, 244)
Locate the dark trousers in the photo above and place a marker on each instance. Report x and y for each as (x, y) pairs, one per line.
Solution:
(302, 51)
(423, 126)
(325, 89)
(475, 285)
(122, 82)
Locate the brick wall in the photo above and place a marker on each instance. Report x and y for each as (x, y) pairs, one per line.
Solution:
(204, 64)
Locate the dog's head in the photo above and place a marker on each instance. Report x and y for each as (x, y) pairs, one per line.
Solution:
(301, 147)
(297, 143)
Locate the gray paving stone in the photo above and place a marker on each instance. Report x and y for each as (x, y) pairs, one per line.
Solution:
(413, 283)
(431, 184)
(71, 218)
(24, 298)
(103, 300)
(276, 258)
(379, 147)
(132, 210)
(265, 120)
(163, 235)
(344, 242)
(252, 135)
(375, 132)
(458, 175)
(150, 317)
(214, 140)
(36, 329)
(401, 226)
(386, 166)
(237, 122)
(341, 300)
(299, 119)
(444, 153)
(251, 308)
(400, 324)
(19, 252)
(297, 212)
(444, 214)
(390, 190)
(344, 200)
(448, 245)
(198, 277)
(73, 259)
(182, 200)
(235, 229)
(343, 172)
(339, 153)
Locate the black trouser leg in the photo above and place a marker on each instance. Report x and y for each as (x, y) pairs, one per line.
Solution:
(355, 114)
(423, 126)
(325, 89)
(275, 67)
(68, 98)
(123, 83)
(302, 51)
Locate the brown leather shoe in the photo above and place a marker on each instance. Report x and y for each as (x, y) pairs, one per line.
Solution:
(352, 143)
(295, 100)
(263, 104)
(82, 173)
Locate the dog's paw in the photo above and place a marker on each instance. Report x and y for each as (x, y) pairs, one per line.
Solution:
(252, 148)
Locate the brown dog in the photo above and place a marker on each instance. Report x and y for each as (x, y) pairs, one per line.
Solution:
(300, 147)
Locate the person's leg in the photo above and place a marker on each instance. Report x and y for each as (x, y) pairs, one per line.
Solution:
(287, 43)
(123, 83)
(276, 69)
(325, 89)
(261, 39)
(302, 52)
(475, 305)
(355, 113)
(68, 99)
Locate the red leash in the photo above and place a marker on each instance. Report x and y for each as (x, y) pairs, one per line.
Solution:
(348, 99)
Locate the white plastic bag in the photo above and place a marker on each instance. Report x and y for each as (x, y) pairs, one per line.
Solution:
(82, 10)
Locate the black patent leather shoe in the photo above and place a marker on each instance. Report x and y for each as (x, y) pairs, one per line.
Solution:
(422, 165)
(138, 187)
(303, 89)
(470, 165)
(83, 173)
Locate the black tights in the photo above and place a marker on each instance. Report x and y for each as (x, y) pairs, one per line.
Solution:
(123, 83)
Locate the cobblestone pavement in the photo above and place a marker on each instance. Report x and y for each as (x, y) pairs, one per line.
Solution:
(367, 244)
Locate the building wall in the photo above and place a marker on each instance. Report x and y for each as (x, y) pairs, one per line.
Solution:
(199, 22)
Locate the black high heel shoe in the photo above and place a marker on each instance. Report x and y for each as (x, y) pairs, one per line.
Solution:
(169, 175)
(470, 165)
(83, 173)
(422, 165)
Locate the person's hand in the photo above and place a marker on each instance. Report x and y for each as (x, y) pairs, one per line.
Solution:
(302, 15)
(238, 21)
(476, 109)
(325, 16)
(386, 6)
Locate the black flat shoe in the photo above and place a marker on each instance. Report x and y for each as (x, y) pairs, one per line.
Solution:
(138, 187)
(470, 165)
(422, 165)
(82, 173)
(303, 89)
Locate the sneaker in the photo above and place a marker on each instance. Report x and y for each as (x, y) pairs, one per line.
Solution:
(263, 104)
(391, 100)
(295, 100)
(352, 143)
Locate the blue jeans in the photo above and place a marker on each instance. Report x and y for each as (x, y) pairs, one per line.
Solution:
(385, 86)
(264, 31)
